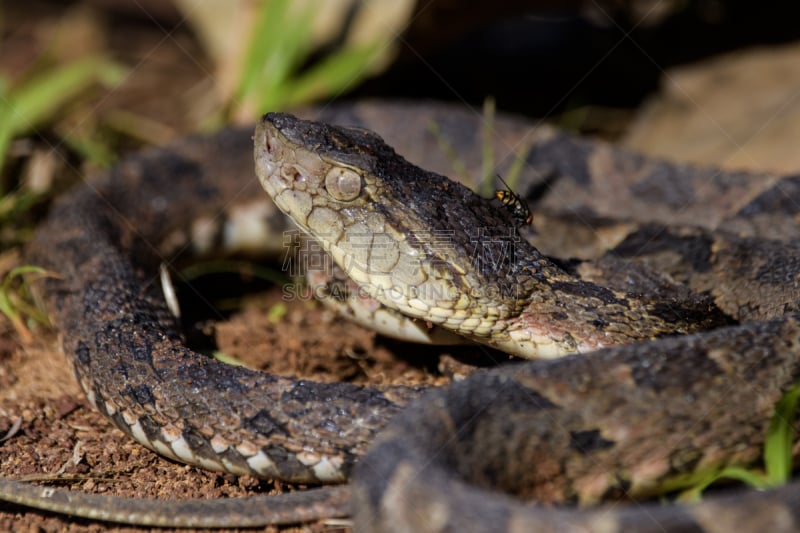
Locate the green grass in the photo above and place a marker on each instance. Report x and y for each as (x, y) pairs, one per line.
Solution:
(777, 458)
(275, 74)
(40, 97)
(16, 300)
(34, 102)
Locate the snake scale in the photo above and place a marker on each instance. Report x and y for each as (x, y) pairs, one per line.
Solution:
(580, 428)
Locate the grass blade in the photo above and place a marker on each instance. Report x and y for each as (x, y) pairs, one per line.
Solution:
(333, 75)
(778, 444)
(43, 95)
(33, 102)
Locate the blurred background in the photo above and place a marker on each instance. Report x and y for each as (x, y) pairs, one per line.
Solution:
(698, 80)
(701, 81)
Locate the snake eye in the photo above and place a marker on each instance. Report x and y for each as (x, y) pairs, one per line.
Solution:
(343, 184)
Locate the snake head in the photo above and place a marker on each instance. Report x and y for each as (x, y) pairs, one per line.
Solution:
(305, 165)
(328, 179)
(412, 239)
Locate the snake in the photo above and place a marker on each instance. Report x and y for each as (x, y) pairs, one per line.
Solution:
(628, 388)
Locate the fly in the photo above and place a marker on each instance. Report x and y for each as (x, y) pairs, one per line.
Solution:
(515, 204)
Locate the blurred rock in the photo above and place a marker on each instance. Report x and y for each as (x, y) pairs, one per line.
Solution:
(739, 111)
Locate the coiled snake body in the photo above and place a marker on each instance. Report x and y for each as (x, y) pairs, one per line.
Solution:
(624, 419)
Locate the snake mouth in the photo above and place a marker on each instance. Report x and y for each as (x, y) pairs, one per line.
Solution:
(266, 154)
